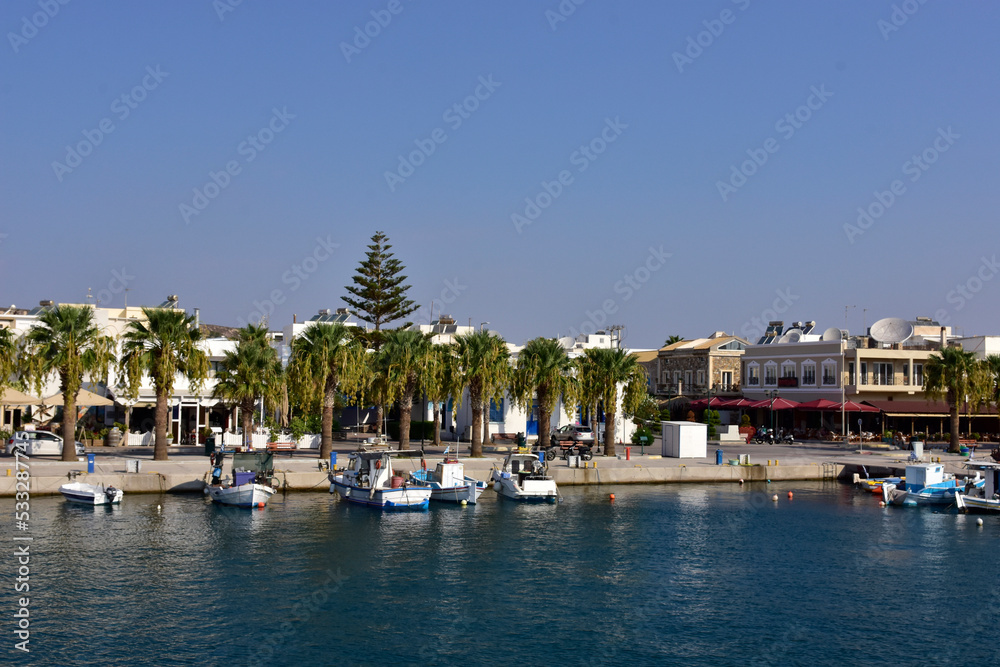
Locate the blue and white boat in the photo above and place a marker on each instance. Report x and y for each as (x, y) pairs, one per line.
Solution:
(524, 478)
(449, 483)
(926, 484)
(91, 494)
(985, 498)
(369, 480)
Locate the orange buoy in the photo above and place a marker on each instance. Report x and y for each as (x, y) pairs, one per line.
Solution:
(612, 497)
(789, 495)
(260, 505)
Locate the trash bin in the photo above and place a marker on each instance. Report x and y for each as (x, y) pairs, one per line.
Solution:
(520, 440)
(209, 445)
(918, 447)
(333, 460)
(541, 456)
(718, 457)
(90, 463)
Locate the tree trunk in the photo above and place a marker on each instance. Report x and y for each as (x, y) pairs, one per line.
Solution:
(486, 421)
(160, 428)
(437, 423)
(405, 414)
(954, 447)
(544, 420)
(476, 446)
(379, 413)
(246, 422)
(69, 427)
(609, 432)
(326, 437)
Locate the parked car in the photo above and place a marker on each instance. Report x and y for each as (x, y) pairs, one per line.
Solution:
(573, 432)
(31, 443)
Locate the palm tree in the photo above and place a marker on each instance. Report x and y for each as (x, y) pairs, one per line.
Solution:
(590, 387)
(326, 361)
(616, 367)
(991, 366)
(954, 374)
(405, 355)
(162, 346)
(249, 372)
(484, 368)
(672, 339)
(440, 381)
(544, 370)
(66, 341)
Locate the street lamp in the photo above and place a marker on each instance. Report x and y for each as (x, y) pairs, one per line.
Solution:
(771, 394)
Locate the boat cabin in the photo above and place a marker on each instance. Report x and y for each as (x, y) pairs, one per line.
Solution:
(374, 468)
(922, 475)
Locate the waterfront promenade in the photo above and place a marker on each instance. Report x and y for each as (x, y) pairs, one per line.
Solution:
(187, 469)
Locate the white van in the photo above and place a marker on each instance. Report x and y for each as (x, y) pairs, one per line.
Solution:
(31, 443)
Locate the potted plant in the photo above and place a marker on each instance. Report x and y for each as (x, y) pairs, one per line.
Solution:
(205, 433)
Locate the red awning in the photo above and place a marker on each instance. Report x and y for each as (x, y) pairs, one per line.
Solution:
(851, 406)
(774, 404)
(702, 403)
(819, 404)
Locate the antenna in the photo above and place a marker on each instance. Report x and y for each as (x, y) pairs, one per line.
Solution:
(846, 308)
(616, 336)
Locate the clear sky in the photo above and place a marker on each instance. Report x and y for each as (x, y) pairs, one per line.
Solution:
(545, 167)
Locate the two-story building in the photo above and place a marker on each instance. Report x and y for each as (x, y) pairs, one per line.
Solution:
(699, 367)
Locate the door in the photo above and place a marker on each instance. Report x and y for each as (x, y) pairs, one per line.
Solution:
(531, 426)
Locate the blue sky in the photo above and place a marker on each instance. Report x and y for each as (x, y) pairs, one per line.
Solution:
(673, 168)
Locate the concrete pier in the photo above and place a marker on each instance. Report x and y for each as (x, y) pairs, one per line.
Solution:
(187, 471)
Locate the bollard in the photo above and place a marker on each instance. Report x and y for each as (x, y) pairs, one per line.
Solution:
(718, 457)
(541, 456)
(775, 461)
(333, 460)
(628, 453)
(90, 463)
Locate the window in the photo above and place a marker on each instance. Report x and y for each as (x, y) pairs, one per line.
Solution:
(829, 373)
(788, 369)
(753, 375)
(864, 372)
(496, 411)
(727, 380)
(906, 374)
(687, 378)
(850, 373)
(918, 374)
(809, 374)
(883, 374)
(701, 378)
(770, 375)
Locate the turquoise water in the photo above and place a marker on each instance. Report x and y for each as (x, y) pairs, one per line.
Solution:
(675, 574)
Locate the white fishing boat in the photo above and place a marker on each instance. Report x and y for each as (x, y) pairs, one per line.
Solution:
(91, 494)
(448, 482)
(985, 498)
(370, 480)
(523, 477)
(249, 485)
(926, 484)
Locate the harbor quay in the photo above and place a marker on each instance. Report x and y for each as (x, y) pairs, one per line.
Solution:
(187, 471)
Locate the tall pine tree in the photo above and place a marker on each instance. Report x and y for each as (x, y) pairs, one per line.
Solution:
(378, 296)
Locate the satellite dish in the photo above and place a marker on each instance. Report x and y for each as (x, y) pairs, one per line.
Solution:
(831, 334)
(891, 330)
(791, 336)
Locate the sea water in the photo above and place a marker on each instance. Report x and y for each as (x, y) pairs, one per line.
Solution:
(671, 574)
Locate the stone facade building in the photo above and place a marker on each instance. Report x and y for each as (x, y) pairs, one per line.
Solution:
(699, 367)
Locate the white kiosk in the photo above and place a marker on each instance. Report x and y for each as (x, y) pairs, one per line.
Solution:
(685, 440)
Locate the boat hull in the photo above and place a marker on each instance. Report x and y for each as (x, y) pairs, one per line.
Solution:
(245, 495)
(402, 498)
(536, 491)
(469, 491)
(973, 504)
(90, 494)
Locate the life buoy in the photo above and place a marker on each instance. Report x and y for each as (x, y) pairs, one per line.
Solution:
(378, 464)
(423, 463)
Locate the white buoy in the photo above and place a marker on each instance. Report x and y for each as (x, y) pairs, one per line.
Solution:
(741, 480)
(979, 522)
(157, 508)
(881, 503)
(775, 497)
(464, 502)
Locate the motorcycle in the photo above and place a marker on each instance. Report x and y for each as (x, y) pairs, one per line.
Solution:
(786, 437)
(763, 435)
